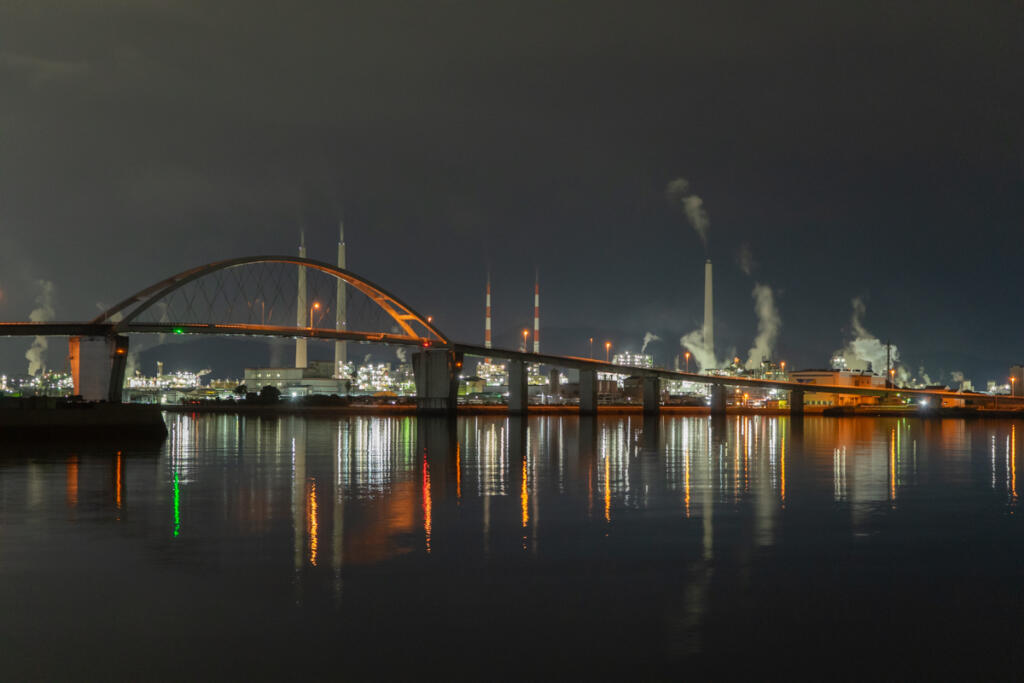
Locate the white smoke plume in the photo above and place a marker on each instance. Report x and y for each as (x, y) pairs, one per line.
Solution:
(702, 355)
(956, 377)
(865, 351)
(366, 358)
(678, 192)
(648, 338)
(401, 354)
(36, 354)
(768, 325)
(745, 259)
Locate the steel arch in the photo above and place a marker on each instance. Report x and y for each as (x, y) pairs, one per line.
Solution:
(400, 312)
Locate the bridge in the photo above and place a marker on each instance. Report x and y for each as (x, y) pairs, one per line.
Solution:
(269, 295)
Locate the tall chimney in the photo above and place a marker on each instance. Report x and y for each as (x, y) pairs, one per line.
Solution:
(300, 314)
(341, 308)
(487, 314)
(536, 312)
(709, 311)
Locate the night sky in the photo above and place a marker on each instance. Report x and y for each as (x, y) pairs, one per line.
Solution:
(859, 149)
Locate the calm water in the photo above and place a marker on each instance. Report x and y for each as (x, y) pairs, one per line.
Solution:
(394, 548)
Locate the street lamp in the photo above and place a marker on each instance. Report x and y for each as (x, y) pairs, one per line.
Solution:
(591, 347)
(1012, 392)
(526, 334)
(783, 367)
(892, 377)
(687, 357)
(314, 307)
(607, 350)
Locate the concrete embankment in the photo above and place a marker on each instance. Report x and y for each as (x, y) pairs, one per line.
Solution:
(45, 418)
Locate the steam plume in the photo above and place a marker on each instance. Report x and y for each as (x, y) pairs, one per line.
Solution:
(865, 351)
(648, 338)
(768, 324)
(36, 354)
(702, 355)
(745, 259)
(402, 355)
(678, 193)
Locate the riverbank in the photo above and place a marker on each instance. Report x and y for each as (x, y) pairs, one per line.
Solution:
(57, 418)
(295, 408)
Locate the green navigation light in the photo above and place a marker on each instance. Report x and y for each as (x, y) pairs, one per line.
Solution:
(179, 330)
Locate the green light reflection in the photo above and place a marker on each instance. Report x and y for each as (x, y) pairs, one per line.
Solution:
(177, 506)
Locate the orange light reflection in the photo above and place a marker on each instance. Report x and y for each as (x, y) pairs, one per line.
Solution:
(607, 489)
(313, 522)
(524, 496)
(118, 472)
(458, 471)
(782, 470)
(427, 522)
(892, 465)
(72, 481)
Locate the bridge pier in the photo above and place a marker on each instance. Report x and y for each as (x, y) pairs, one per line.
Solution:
(796, 401)
(652, 395)
(97, 366)
(717, 399)
(437, 380)
(588, 392)
(518, 394)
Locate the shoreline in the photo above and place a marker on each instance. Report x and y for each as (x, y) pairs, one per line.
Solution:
(408, 409)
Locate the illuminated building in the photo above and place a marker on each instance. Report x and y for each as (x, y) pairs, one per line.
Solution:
(607, 380)
(316, 379)
(494, 374)
(845, 378)
(535, 377)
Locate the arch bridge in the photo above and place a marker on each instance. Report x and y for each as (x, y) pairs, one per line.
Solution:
(268, 296)
(300, 298)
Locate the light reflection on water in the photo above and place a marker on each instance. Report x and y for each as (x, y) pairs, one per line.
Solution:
(684, 529)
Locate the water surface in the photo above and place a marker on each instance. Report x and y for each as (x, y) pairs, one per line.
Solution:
(493, 548)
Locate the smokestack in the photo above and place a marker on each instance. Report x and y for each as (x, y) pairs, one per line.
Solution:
(709, 311)
(300, 314)
(536, 313)
(341, 309)
(487, 314)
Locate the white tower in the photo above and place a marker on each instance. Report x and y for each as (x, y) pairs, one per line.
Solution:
(487, 314)
(300, 315)
(536, 313)
(341, 309)
(709, 311)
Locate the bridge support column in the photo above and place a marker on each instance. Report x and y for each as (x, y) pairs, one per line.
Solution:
(437, 380)
(796, 401)
(652, 395)
(717, 399)
(518, 393)
(588, 392)
(97, 366)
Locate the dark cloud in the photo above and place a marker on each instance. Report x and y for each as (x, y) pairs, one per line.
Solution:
(863, 146)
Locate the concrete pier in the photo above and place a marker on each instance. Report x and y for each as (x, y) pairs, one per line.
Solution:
(652, 395)
(796, 402)
(717, 399)
(437, 380)
(517, 391)
(97, 366)
(588, 392)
